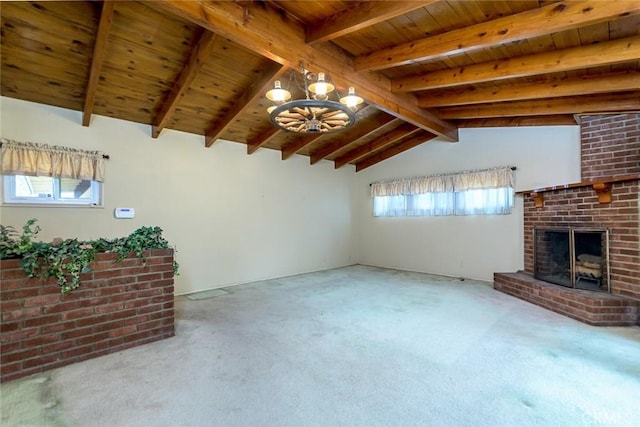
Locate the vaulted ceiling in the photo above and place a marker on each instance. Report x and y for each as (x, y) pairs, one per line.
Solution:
(424, 68)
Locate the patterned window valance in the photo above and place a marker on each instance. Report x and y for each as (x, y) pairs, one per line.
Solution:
(28, 158)
(448, 183)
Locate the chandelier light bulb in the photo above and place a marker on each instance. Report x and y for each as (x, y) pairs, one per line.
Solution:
(277, 94)
(352, 100)
(321, 88)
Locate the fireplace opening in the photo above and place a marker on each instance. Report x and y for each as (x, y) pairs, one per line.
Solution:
(572, 257)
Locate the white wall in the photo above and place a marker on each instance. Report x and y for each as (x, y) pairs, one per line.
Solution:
(465, 246)
(232, 217)
(235, 218)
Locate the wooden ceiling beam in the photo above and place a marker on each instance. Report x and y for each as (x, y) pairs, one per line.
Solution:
(262, 139)
(594, 55)
(360, 15)
(383, 141)
(192, 67)
(363, 129)
(401, 147)
(298, 145)
(549, 19)
(265, 31)
(554, 120)
(621, 102)
(618, 82)
(99, 52)
(256, 90)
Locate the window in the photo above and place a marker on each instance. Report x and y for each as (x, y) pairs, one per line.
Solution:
(489, 201)
(484, 192)
(44, 174)
(22, 189)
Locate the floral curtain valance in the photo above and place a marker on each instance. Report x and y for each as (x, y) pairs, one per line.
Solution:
(28, 158)
(448, 183)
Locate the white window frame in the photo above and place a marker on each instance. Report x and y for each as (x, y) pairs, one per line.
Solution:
(54, 199)
(448, 205)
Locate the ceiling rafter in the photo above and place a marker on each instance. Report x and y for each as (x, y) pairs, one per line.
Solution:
(99, 52)
(621, 102)
(548, 19)
(401, 147)
(605, 53)
(554, 120)
(379, 143)
(266, 32)
(616, 82)
(262, 139)
(362, 130)
(359, 15)
(253, 92)
(192, 67)
(298, 145)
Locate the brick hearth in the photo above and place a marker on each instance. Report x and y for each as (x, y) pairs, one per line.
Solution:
(610, 149)
(594, 308)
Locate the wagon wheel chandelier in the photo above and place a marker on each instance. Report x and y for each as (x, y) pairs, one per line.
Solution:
(316, 112)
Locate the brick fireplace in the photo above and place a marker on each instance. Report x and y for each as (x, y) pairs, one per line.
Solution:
(607, 198)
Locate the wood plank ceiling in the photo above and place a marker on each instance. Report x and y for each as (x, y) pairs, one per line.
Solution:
(425, 68)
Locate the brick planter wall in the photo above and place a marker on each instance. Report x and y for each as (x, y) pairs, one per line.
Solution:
(118, 306)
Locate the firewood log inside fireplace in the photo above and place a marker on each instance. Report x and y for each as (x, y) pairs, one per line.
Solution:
(589, 265)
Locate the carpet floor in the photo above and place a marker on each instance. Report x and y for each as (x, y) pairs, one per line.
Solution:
(354, 346)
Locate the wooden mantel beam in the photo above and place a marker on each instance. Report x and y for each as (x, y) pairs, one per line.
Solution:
(618, 82)
(180, 87)
(605, 53)
(625, 101)
(260, 28)
(359, 15)
(548, 19)
(99, 51)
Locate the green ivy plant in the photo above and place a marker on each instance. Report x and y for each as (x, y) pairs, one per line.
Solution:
(66, 260)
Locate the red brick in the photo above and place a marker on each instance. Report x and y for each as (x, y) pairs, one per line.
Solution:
(122, 331)
(93, 320)
(91, 339)
(63, 306)
(21, 314)
(75, 353)
(11, 347)
(58, 327)
(77, 314)
(10, 370)
(41, 300)
(108, 308)
(58, 346)
(125, 314)
(76, 332)
(40, 340)
(20, 355)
